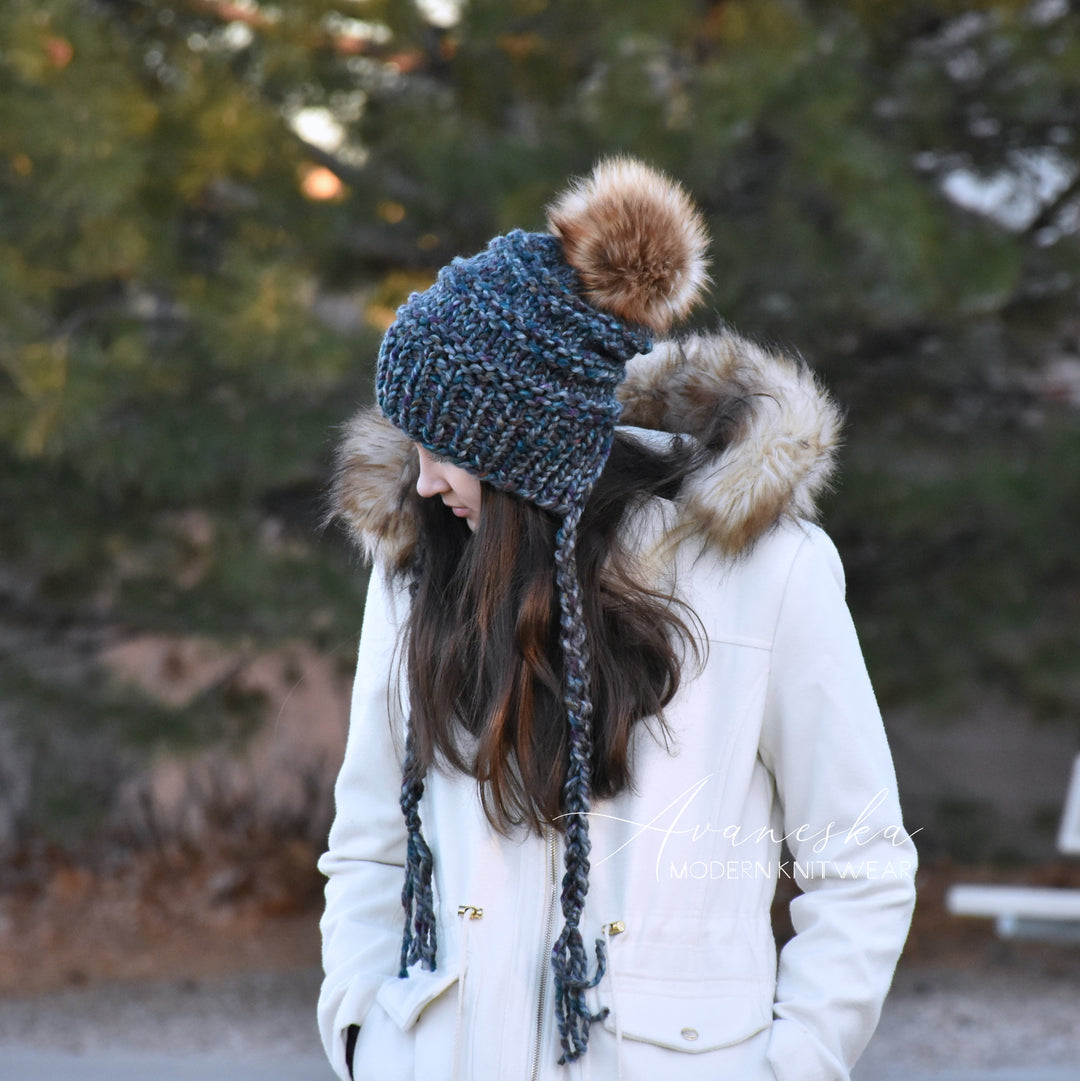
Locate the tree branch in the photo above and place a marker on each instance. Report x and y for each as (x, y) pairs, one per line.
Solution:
(1046, 216)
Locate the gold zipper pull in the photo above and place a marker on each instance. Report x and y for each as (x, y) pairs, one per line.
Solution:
(616, 927)
(471, 911)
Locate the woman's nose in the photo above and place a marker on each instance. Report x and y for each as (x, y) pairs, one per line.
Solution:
(430, 481)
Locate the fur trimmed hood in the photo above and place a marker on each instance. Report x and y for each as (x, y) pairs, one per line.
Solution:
(783, 435)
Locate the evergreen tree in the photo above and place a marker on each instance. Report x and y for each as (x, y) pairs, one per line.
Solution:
(210, 208)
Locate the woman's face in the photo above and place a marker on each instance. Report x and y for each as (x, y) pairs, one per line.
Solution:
(459, 489)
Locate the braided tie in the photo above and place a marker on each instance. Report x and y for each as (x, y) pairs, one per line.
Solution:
(419, 941)
(568, 957)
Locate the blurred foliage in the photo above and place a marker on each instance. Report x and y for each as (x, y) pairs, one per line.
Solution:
(210, 208)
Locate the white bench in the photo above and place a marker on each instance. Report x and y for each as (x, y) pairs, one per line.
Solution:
(1031, 911)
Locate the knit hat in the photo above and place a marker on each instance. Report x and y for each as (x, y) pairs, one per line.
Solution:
(508, 367)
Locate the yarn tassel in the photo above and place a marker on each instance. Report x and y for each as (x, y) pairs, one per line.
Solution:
(419, 940)
(568, 957)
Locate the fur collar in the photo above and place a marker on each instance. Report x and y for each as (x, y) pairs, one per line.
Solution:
(784, 434)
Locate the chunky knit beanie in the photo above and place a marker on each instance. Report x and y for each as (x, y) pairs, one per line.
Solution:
(508, 367)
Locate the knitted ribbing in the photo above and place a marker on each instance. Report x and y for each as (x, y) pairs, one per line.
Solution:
(568, 957)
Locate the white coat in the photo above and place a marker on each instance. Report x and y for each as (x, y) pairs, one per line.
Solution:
(777, 737)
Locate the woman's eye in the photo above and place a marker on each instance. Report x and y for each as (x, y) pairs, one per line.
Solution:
(431, 456)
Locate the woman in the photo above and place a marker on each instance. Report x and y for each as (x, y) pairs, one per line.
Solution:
(605, 677)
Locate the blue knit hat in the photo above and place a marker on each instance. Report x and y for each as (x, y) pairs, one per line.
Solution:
(508, 366)
(504, 368)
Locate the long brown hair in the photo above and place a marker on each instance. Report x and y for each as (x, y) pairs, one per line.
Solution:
(482, 657)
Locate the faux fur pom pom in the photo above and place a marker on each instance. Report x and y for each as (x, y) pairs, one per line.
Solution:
(635, 239)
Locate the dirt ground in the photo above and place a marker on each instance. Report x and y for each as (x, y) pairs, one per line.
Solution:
(170, 918)
(162, 918)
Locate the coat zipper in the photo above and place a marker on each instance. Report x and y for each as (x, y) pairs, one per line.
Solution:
(545, 956)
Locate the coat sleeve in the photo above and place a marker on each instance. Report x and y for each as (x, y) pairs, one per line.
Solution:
(362, 923)
(824, 742)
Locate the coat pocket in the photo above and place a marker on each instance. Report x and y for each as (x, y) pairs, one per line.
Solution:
(690, 989)
(694, 1020)
(404, 1000)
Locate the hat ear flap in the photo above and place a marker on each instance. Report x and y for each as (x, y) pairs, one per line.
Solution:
(636, 240)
